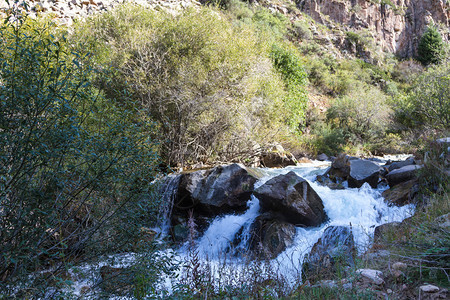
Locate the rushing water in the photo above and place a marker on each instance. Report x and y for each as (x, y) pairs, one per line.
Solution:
(361, 208)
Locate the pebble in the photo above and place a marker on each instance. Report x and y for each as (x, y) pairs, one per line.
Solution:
(429, 288)
(400, 266)
(373, 276)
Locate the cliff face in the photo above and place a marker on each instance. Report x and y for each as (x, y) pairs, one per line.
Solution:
(397, 27)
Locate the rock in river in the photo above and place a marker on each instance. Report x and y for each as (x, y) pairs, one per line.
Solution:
(292, 199)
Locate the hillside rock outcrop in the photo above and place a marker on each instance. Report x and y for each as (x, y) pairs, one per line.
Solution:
(397, 26)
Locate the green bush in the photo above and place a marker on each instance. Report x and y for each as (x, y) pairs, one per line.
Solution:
(428, 103)
(208, 84)
(431, 46)
(294, 76)
(74, 169)
(364, 112)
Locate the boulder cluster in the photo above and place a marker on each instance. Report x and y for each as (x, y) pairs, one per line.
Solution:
(286, 201)
(401, 176)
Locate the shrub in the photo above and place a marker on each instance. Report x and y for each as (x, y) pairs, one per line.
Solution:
(431, 46)
(428, 103)
(73, 167)
(209, 85)
(294, 76)
(364, 112)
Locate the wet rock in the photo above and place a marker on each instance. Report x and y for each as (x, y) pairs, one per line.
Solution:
(371, 276)
(402, 193)
(382, 230)
(402, 174)
(400, 164)
(270, 237)
(322, 157)
(362, 171)
(292, 199)
(323, 180)
(220, 190)
(340, 168)
(180, 233)
(335, 249)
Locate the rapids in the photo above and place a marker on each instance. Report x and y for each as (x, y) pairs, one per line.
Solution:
(361, 208)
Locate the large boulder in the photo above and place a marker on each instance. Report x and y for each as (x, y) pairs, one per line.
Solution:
(277, 157)
(220, 190)
(340, 168)
(292, 199)
(362, 171)
(401, 194)
(403, 174)
(269, 237)
(334, 250)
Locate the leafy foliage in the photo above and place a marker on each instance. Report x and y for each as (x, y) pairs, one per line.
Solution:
(209, 85)
(72, 166)
(428, 104)
(294, 77)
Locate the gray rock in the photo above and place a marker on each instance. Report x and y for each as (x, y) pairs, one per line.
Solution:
(340, 168)
(322, 157)
(371, 276)
(325, 181)
(362, 171)
(270, 237)
(402, 193)
(220, 190)
(429, 288)
(402, 174)
(399, 164)
(292, 199)
(335, 249)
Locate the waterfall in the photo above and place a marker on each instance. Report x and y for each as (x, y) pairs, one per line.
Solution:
(167, 191)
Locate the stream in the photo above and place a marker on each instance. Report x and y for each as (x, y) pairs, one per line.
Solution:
(361, 208)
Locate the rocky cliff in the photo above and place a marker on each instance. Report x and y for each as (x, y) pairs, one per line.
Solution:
(396, 25)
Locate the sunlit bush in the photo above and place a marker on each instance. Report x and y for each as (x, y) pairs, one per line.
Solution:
(208, 84)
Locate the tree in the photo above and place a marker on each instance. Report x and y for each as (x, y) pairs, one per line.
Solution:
(73, 168)
(431, 46)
